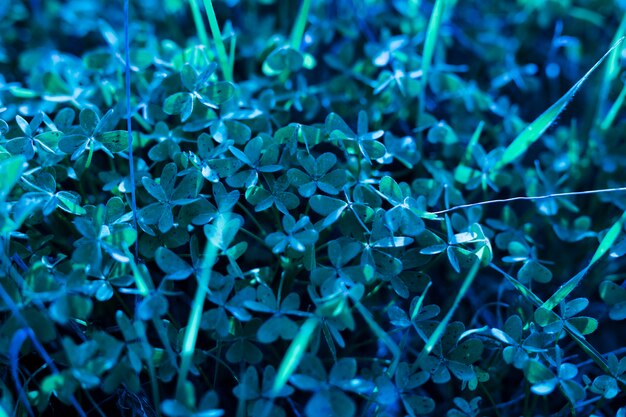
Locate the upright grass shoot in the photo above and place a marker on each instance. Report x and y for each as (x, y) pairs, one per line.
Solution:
(222, 56)
(200, 28)
(534, 130)
(443, 324)
(606, 243)
(193, 324)
(297, 32)
(432, 32)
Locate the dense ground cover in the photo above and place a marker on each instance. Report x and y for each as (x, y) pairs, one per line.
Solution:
(285, 208)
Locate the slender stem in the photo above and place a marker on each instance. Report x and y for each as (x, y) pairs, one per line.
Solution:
(222, 57)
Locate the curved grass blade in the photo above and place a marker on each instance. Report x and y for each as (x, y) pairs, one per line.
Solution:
(533, 131)
(193, 324)
(222, 56)
(580, 340)
(430, 42)
(441, 327)
(613, 68)
(294, 354)
(567, 288)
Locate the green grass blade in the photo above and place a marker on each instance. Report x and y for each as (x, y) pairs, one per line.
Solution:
(193, 324)
(197, 19)
(222, 56)
(564, 290)
(472, 143)
(294, 354)
(143, 285)
(420, 302)
(613, 68)
(569, 329)
(608, 239)
(521, 288)
(533, 131)
(430, 43)
(297, 32)
(567, 288)
(381, 335)
(441, 327)
(612, 114)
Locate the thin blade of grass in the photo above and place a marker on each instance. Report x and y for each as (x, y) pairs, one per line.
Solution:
(129, 124)
(472, 143)
(197, 19)
(534, 130)
(143, 285)
(580, 340)
(608, 239)
(567, 288)
(430, 43)
(615, 108)
(420, 302)
(613, 68)
(17, 341)
(195, 315)
(222, 56)
(294, 354)
(297, 31)
(441, 327)
(381, 335)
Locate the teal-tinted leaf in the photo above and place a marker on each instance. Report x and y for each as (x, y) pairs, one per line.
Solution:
(615, 296)
(115, 141)
(534, 271)
(343, 370)
(88, 120)
(275, 327)
(179, 103)
(283, 59)
(536, 373)
(154, 188)
(331, 403)
(10, 171)
(172, 264)
(70, 201)
(584, 325)
(418, 405)
(23, 125)
(217, 93)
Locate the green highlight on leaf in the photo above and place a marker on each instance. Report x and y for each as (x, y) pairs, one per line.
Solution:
(533, 131)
